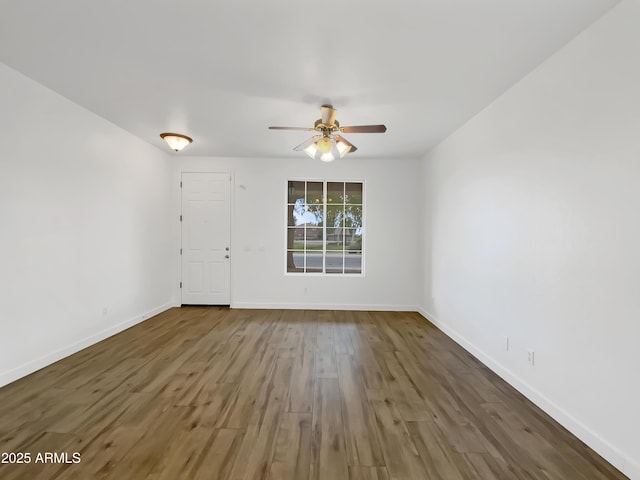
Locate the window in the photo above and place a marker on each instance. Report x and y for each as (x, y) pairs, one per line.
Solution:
(324, 227)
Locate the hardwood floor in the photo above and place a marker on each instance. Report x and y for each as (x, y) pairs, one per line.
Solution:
(213, 393)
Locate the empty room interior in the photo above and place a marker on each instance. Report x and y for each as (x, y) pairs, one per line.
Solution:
(338, 240)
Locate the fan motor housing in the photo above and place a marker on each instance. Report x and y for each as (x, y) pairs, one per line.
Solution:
(318, 125)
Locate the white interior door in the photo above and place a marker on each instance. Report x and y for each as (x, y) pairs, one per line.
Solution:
(206, 226)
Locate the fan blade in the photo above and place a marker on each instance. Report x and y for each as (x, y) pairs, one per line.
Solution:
(328, 114)
(292, 128)
(364, 129)
(306, 143)
(340, 138)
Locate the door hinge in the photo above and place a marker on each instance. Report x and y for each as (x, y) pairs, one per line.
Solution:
(180, 217)
(180, 251)
(180, 284)
(180, 183)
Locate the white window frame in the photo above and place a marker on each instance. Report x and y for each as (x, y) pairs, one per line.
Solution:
(324, 182)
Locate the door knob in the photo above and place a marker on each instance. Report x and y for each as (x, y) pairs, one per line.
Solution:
(226, 256)
(226, 248)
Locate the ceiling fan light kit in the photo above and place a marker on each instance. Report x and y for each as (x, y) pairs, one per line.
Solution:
(176, 141)
(327, 145)
(326, 148)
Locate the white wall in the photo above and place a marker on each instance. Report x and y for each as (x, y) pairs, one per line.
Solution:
(533, 227)
(84, 219)
(392, 249)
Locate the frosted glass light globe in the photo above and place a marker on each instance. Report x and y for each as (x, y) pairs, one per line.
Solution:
(325, 145)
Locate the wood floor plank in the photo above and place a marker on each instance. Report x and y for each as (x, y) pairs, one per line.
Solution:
(329, 458)
(325, 352)
(548, 461)
(361, 438)
(299, 330)
(218, 460)
(433, 389)
(242, 407)
(292, 456)
(440, 460)
(102, 451)
(35, 470)
(209, 392)
(343, 328)
(212, 406)
(400, 454)
(302, 381)
(259, 442)
(368, 473)
(183, 455)
(485, 466)
(411, 405)
(370, 370)
(152, 447)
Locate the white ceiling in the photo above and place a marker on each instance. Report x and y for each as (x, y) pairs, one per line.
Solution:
(223, 71)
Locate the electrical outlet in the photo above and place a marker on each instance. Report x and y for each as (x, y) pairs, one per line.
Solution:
(531, 357)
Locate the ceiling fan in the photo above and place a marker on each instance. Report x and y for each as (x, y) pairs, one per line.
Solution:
(327, 144)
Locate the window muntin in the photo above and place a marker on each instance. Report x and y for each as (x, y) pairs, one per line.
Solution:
(325, 227)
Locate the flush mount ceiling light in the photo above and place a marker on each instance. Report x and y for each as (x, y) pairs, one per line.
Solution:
(328, 145)
(176, 141)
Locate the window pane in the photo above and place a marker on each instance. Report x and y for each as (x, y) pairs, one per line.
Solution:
(296, 214)
(293, 212)
(295, 239)
(334, 262)
(296, 192)
(335, 192)
(314, 238)
(335, 238)
(334, 246)
(295, 261)
(353, 193)
(335, 215)
(314, 233)
(301, 214)
(314, 261)
(314, 193)
(313, 215)
(352, 239)
(353, 216)
(353, 262)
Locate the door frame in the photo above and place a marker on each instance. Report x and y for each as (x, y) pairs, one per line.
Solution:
(231, 174)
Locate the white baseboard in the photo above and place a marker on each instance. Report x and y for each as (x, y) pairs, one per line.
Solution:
(610, 452)
(52, 357)
(324, 306)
